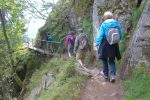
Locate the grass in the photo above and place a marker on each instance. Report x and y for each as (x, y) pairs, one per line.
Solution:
(137, 13)
(68, 89)
(51, 66)
(66, 86)
(67, 83)
(137, 86)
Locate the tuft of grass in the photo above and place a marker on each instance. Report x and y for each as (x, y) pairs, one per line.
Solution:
(68, 89)
(66, 85)
(52, 66)
(136, 14)
(137, 86)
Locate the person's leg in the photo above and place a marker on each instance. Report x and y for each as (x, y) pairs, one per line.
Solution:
(112, 69)
(83, 55)
(105, 68)
(71, 51)
(48, 46)
(69, 54)
(78, 58)
(68, 50)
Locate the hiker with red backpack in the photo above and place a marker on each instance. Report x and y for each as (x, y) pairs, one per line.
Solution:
(108, 42)
(81, 47)
(70, 40)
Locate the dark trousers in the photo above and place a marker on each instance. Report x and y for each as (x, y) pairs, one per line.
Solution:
(109, 70)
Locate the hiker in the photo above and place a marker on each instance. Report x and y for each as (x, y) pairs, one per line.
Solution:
(70, 40)
(81, 47)
(49, 40)
(108, 42)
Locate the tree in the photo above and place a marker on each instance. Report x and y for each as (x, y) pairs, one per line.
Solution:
(38, 9)
(11, 33)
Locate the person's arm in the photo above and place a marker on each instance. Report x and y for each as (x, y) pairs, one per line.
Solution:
(100, 37)
(74, 37)
(66, 42)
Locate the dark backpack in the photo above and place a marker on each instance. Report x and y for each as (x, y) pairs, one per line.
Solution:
(71, 41)
(83, 45)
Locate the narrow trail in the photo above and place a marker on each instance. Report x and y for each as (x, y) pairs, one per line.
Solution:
(98, 89)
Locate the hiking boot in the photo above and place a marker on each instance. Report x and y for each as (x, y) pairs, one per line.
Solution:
(104, 76)
(112, 79)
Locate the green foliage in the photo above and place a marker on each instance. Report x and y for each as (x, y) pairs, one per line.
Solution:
(11, 46)
(38, 67)
(136, 15)
(14, 26)
(123, 44)
(67, 91)
(57, 23)
(66, 84)
(82, 7)
(34, 63)
(137, 86)
(87, 26)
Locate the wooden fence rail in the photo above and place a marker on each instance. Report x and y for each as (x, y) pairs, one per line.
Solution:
(52, 48)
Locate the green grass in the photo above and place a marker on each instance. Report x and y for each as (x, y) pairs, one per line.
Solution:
(51, 66)
(137, 13)
(123, 43)
(68, 89)
(67, 83)
(138, 85)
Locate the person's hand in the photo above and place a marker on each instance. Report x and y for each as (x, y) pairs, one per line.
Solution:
(94, 44)
(95, 47)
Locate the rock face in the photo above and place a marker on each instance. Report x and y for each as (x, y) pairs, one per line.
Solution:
(74, 21)
(45, 82)
(122, 12)
(139, 47)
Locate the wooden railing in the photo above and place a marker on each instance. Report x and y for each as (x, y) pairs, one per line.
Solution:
(45, 47)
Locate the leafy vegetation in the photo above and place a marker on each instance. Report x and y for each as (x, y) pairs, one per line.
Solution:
(67, 81)
(87, 26)
(136, 15)
(123, 44)
(137, 86)
(82, 7)
(12, 54)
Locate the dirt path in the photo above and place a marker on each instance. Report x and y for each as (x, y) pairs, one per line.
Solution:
(98, 89)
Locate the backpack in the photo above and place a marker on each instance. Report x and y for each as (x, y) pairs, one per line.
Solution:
(83, 42)
(49, 39)
(113, 36)
(71, 41)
